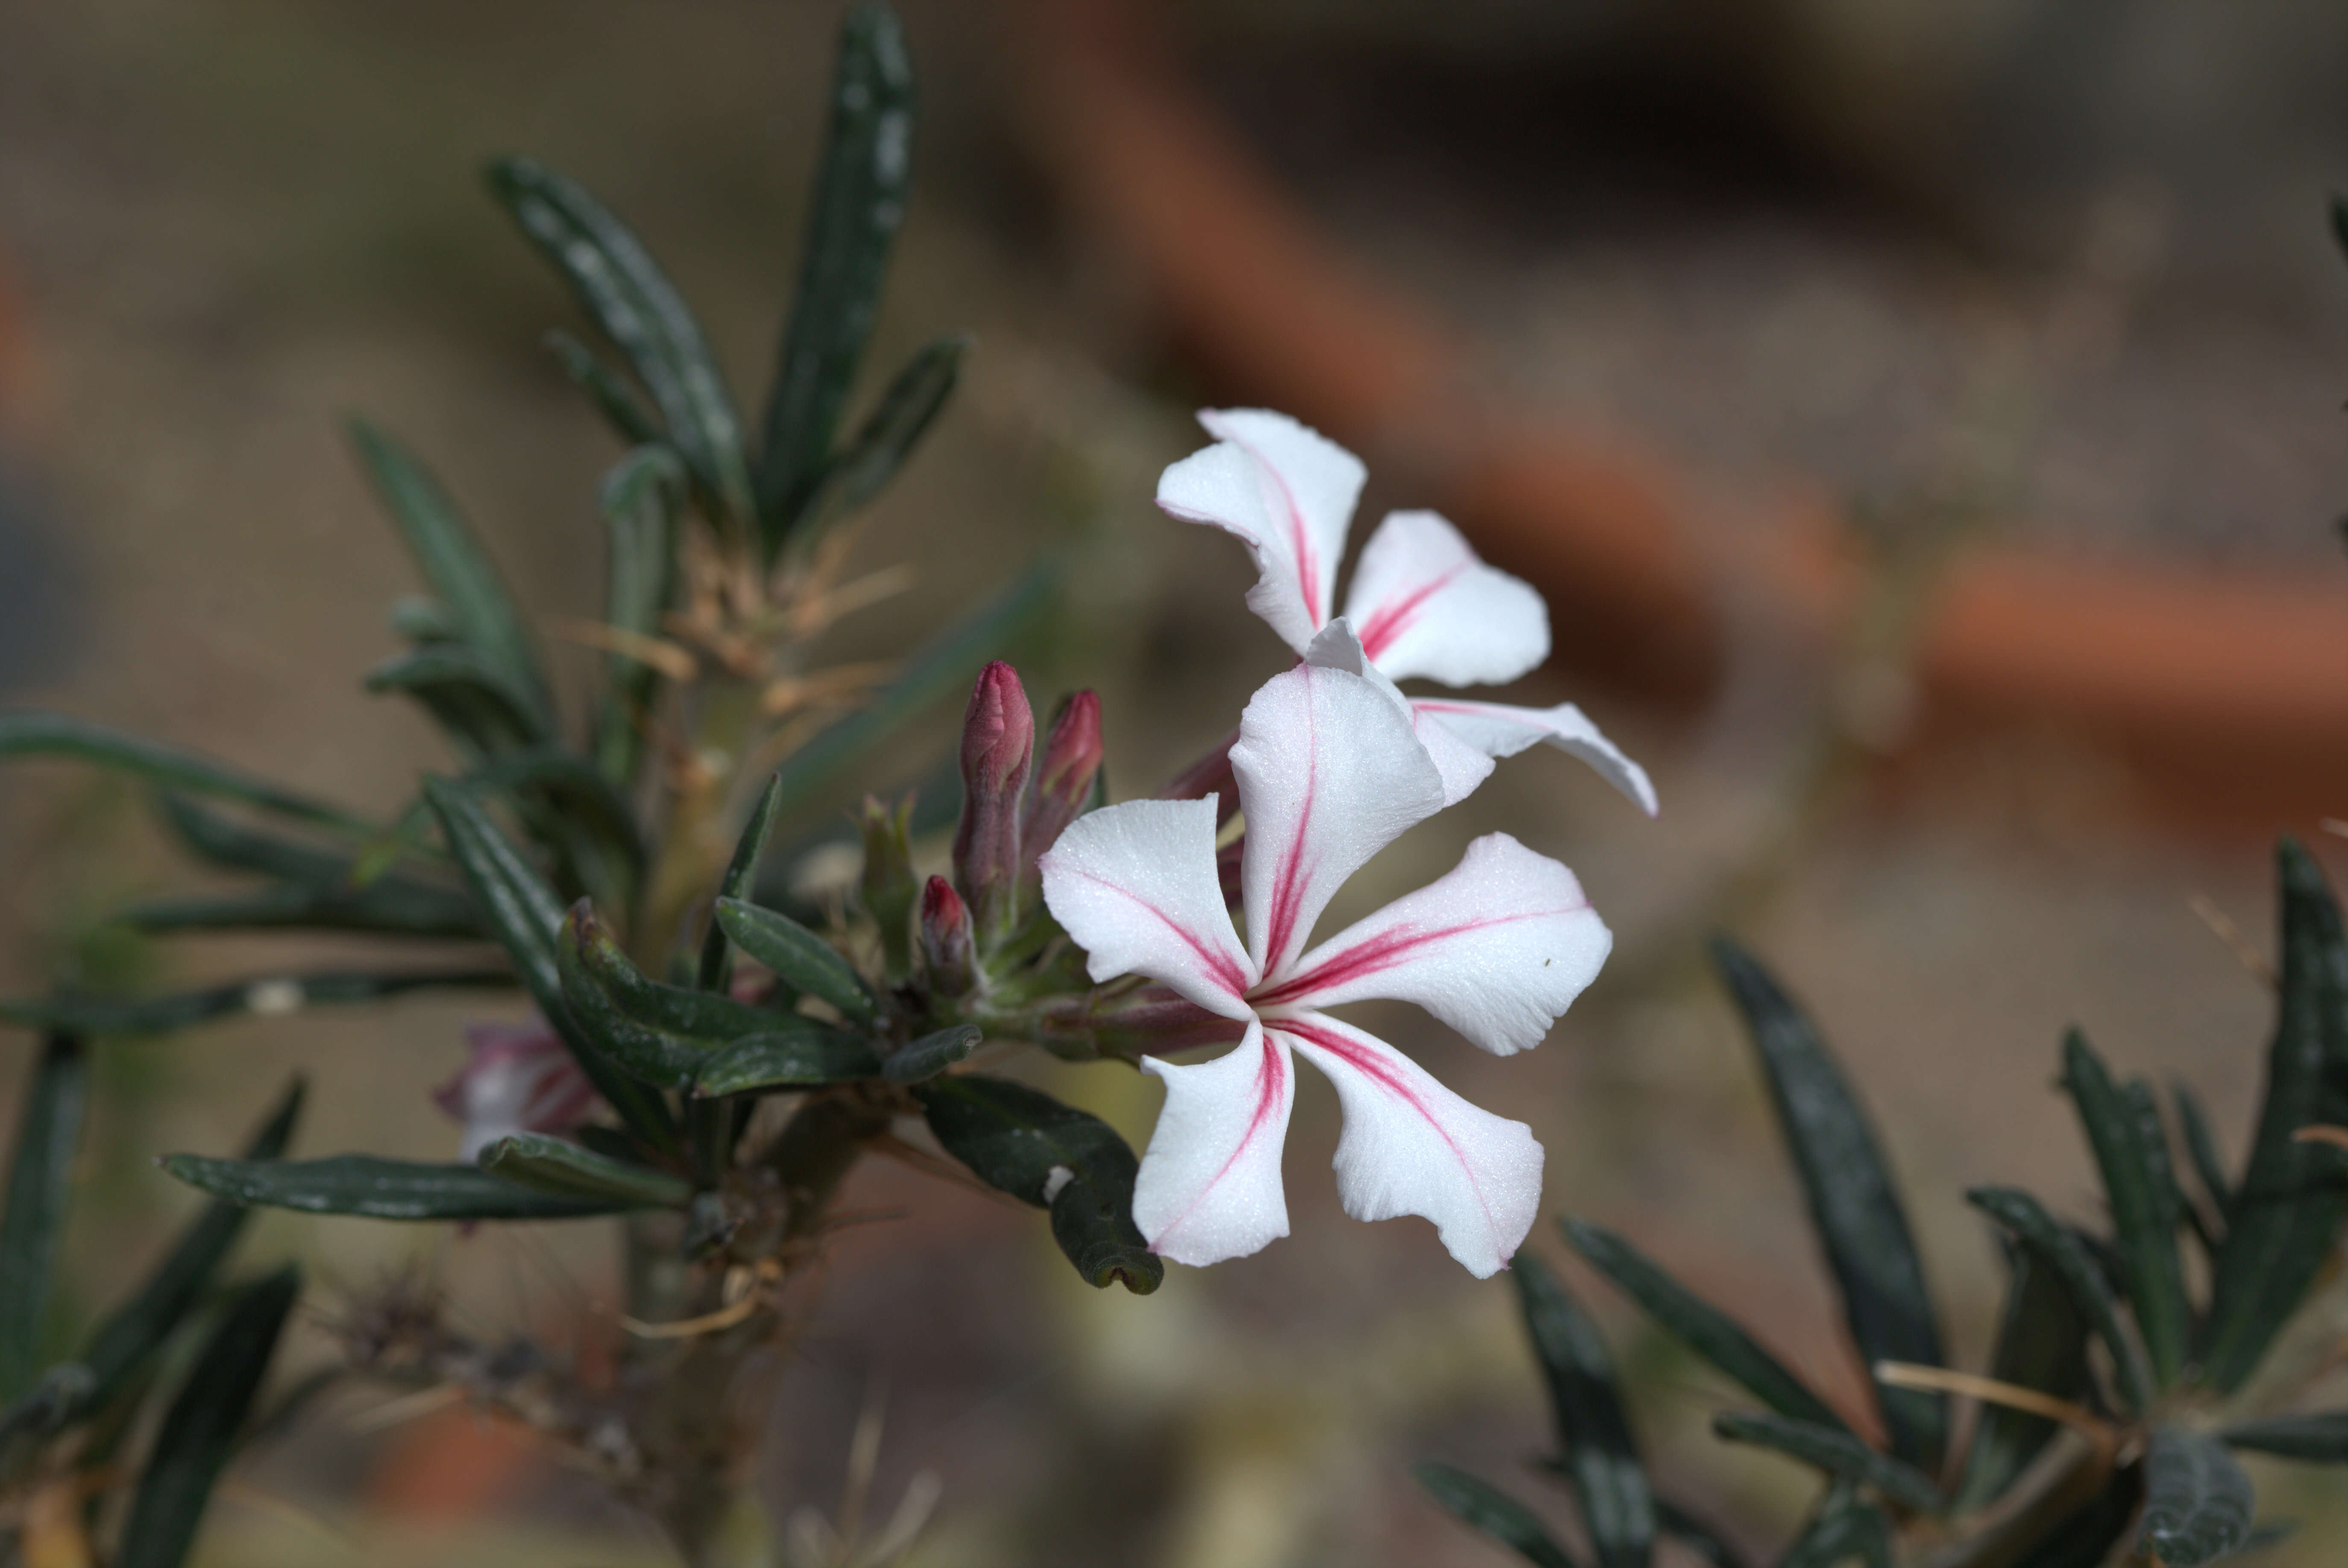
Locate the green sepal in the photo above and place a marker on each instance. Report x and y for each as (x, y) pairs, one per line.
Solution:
(2319, 1437)
(859, 205)
(458, 570)
(1695, 1323)
(2142, 1192)
(1484, 1507)
(2090, 1287)
(268, 996)
(741, 874)
(2287, 1211)
(799, 958)
(1854, 1204)
(1839, 1454)
(796, 1053)
(567, 1169)
(376, 1189)
(918, 1062)
(32, 1210)
(54, 734)
(606, 388)
(200, 1432)
(1598, 1454)
(2042, 1344)
(639, 500)
(2197, 1500)
(1022, 1141)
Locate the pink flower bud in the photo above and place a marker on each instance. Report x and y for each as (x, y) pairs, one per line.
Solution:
(945, 938)
(1064, 779)
(998, 745)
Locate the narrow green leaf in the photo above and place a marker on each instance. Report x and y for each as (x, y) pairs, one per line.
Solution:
(125, 1342)
(884, 442)
(662, 1035)
(1851, 1533)
(799, 958)
(527, 917)
(199, 1435)
(2197, 1500)
(2201, 1144)
(1485, 1508)
(2287, 1212)
(1702, 1542)
(741, 874)
(2042, 1343)
(942, 665)
(2142, 1195)
(481, 713)
(1022, 1141)
(797, 1053)
(2061, 1251)
(33, 1211)
(618, 283)
(47, 1407)
(452, 560)
(2085, 1537)
(639, 500)
(1594, 1435)
(566, 803)
(1854, 1204)
(612, 397)
(318, 887)
(859, 202)
(268, 997)
(1696, 1324)
(54, 734)
(2320, 1437)
(918, 1062)
(375, 1189)
(1837, 1453)
(566, 1170)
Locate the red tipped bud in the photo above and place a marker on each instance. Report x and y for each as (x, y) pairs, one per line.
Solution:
(945, 938)
(890, 887)
(1064, 778)
(998, 745)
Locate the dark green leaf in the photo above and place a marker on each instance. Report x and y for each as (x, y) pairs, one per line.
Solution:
(2085, 1537)
(2042, 1343)
(47, 1407)
(32, 1222)
(1703, 1543)
(453, 563)
(2321, 1438)
(1839, 1454)
(2197, 1500)
(639, 500)
(796, 1053)
(917, 1061)
(268, 997)
(2288, 1209)
(662, 1035)
(887, 437)
(939, 666)
(2339, 209)
(2201, 1143)
(482, 714)
(860, 201)
(1847, 1532)
(527, 917)
(1594, 1435)
(1022, 1141)
(54, 734)
(376, 1189)
(1854, 1204)
(317, 887)
(1485, 1508)
(569, 801)
(199, 1434)
(612, 397)
(741, 872)
(1695, 1323)
(2143, 1197)
(2055, 1246)
(799, 958)
(125, 1342)
(565, 1169)
(632, 301)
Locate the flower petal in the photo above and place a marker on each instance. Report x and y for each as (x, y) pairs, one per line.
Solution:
(1426, 605)
(1134, 885)
(1329, 775)
(1411, 1147)
(1460, 765)
(1498, 730)
(516, 1077)
(1498, 949)
(1209, 1182)
(1288, 493)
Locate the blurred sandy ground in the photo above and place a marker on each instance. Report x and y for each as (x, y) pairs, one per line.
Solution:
(1769, 236)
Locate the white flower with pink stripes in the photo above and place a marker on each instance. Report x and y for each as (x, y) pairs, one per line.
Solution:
(1329, 772)
(1422, 603)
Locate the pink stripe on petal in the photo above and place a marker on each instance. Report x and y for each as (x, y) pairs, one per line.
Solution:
(1390, 620)
(1427, 606)
(1136, 886)
(1209, 1186)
